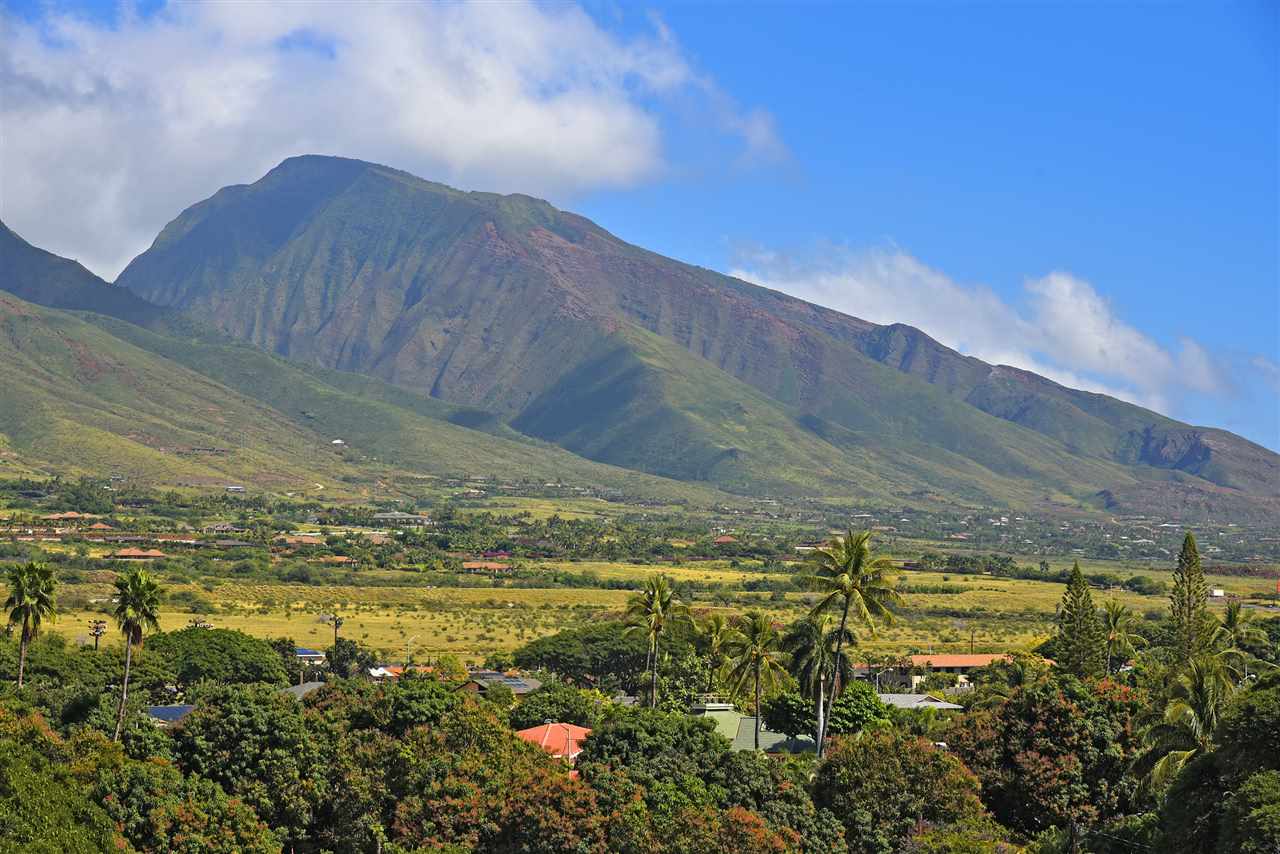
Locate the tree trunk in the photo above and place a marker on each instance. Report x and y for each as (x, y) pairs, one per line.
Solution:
(835, 671)
(653, 684)
(22, 656)
(757, 675)
(821, 692)
(124, 688)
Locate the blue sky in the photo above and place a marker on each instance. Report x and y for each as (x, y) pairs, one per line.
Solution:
(1086, 190)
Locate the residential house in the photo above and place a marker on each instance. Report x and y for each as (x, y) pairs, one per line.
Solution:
(482, 680)
(563, 741)
(917, 701)
(308, 656)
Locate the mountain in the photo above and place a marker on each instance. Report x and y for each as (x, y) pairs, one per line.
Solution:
(88, 393)
(576, 337)
(41, 277)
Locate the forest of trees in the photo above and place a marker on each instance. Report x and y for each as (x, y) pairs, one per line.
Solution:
(1120, 733)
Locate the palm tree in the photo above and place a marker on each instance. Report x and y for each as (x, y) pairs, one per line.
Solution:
(811, 644)
(715, 630)
(854, 580)
(137, 605)
(31, 600)
(1236, 631)
(755, 652)
(651, 612)
(1118, 622)
(1185, 728)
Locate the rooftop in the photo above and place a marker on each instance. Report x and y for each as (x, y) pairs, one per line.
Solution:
(558, 739)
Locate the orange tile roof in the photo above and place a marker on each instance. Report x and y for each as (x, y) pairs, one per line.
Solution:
(138, 553)
(560, 740)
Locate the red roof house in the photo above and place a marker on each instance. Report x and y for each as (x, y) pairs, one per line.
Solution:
(563, 741)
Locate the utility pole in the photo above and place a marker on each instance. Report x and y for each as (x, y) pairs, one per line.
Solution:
(97, 628)
(337, 624)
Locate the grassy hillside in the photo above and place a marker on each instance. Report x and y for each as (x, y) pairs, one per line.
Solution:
(388, 426)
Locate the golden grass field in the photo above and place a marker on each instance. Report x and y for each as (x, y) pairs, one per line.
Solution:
(995, 614)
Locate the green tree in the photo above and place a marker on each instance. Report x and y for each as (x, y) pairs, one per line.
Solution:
(1055, 753)
(650, 613)
(254, 742)
(714, 631)
(857, 708)
(885, 784)
(1193, 626)
(1081, 643)
(1118, 624)
(219, 655)
(1235, 633)
(856, 581)
(347, 658)
(1186, 725)
(30, 603)
(1251, 817)
(811, 644)
(559, 703)
(136, 612)
(755, 654)
(44, 809)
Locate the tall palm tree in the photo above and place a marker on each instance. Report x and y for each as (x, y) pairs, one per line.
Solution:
(137, 611)
(650, 612)
(30, 602)
(856, 581)
(811, 645)
(715, 630)
(1235, 631)
(755, 652)
(1185, 727)
(1118, 622)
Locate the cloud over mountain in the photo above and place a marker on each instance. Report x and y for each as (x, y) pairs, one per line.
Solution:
(122, 125)
(1062, 328)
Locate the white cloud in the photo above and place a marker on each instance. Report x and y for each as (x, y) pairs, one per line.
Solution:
(1062, 328)
(108, 132)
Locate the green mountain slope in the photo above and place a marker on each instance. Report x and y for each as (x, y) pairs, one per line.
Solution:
(509, 305)
(90, 394)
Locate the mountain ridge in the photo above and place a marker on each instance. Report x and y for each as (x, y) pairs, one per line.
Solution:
(573, 336)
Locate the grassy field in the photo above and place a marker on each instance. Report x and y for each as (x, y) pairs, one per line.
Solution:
(992, 614)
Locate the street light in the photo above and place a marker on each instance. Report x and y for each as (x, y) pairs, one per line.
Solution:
(406, 650)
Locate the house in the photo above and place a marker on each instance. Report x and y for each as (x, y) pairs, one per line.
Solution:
(169, 716)
(303, 690)
(484, 566)
(482, 680)
(236, 489)
(137, 554)
(724, 540)
(1217, 593)
(395, 671)
(100, 526)
(917, 701)
(770, 741)
(308, 656)
(563, 741)
(961, 664)
(740, 729)
(407, 520)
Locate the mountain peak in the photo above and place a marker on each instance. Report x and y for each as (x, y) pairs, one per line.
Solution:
(575, 337)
